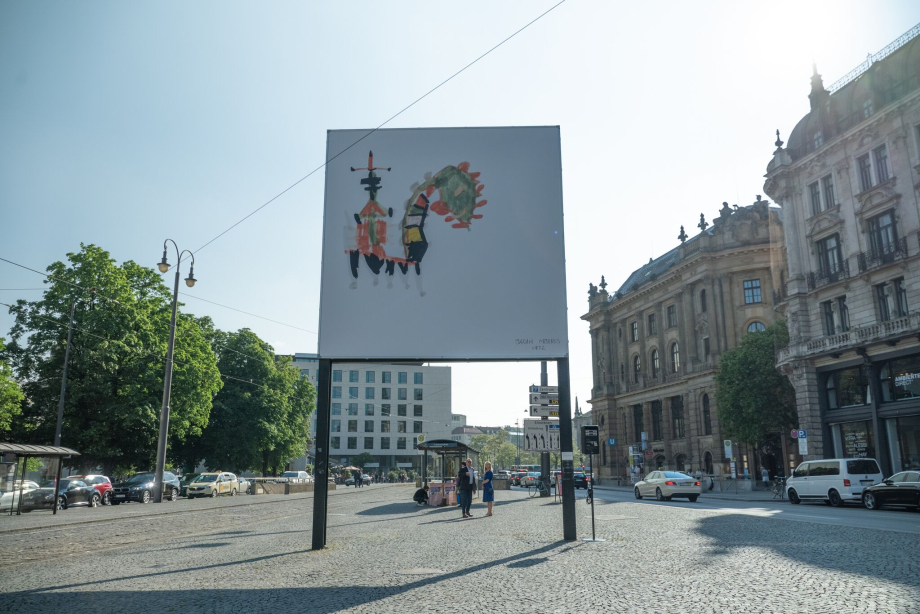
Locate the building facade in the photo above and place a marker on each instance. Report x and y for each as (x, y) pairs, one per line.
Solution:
(382, 409)
(656, 343)
(847, 183)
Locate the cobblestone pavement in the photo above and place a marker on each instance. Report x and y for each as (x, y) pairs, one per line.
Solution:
(386, 555)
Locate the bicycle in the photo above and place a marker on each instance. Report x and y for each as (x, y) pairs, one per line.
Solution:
(540, 488)
(778, 488)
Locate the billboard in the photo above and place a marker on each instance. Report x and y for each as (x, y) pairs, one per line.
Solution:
(443, 243)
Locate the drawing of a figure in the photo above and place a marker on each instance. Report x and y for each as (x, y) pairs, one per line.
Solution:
(457, 192)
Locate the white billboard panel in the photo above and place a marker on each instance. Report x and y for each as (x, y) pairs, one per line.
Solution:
(435, 246)
(541, 436)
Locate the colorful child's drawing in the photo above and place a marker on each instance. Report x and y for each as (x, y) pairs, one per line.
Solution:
(457, 191)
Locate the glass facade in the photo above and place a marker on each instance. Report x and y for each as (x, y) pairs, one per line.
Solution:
(904, 440)
(854, 439)
(900, 379)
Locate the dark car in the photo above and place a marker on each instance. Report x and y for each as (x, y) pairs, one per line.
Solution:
(70, 493)
(900, 489)
(581, 480)
(140, 488)
(516, 477)
(187, 479)
(101, 483)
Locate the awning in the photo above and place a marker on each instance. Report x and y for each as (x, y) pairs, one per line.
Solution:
(30, 450)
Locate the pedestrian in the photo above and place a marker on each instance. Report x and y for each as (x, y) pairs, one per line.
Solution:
(465, 487)
(488, 494)
(765, 475)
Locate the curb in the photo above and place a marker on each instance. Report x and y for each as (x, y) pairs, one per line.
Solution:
(706, 495)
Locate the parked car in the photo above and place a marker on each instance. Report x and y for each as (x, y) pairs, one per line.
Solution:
(900, 489)
(502, 474)
(140, 488)
(70, 493)
(243, 485)
(531, 478)
(833, 481)
(184, 481)
(298, 476)
(581, 479)
(667, 484)
(101, 483)
(11, 498)
(213, 484)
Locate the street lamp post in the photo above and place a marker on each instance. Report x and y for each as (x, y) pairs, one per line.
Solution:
(60, 414)
(167, 379)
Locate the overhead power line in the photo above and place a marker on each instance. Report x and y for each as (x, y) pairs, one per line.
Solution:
(391, 118)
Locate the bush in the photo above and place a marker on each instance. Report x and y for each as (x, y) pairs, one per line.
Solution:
(393, 476)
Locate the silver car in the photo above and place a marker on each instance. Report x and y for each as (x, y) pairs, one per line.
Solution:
(666, 484)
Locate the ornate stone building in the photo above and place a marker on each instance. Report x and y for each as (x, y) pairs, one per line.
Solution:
(656, 342)
(847, 183)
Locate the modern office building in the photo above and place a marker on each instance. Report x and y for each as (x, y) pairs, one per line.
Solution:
(382, 409)
(847, 182)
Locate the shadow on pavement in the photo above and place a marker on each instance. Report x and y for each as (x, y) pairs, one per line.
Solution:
(322, 599)
(833, 547)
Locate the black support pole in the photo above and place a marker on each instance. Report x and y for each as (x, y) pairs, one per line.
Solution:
(569, 529)
(544, 456)
(321, 470)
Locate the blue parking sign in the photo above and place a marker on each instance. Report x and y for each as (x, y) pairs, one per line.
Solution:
(802, 434)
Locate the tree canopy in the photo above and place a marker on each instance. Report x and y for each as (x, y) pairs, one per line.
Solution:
(260, 419)
(10, 395)
(755, 400)
(117, 362)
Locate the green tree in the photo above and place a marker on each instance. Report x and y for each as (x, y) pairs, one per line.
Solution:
(505, 455)
(755, 400)
(362, 459)
(261, 417)
(117, 360)
(10, 396)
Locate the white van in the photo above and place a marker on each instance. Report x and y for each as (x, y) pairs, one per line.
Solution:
(834, 481)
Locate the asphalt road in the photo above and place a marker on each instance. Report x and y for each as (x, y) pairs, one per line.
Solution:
(889, 519)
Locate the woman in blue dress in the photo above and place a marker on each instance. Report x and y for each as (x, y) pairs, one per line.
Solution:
(488, 494)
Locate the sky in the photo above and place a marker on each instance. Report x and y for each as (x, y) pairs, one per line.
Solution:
(122, 124)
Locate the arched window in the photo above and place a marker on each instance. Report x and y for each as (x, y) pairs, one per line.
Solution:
(756, 327)
(702, 301)
(637, 366)
(675, 357)
(707, 416)
(655, 363)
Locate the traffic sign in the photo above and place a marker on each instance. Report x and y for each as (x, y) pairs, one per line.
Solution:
(611, 441)
(794, 433)
(545, 389)
(541, 436)
(802, 434)
(544, 399)
(547, 411)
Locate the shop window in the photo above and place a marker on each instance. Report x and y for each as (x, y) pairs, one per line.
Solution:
(856, 439)
(847, 388)
(656, 421)
(900, 379)
(907, 434)
(677, 417)
(638, 421)
(707, 416)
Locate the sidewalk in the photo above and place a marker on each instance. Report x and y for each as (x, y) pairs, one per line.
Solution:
(761, 496)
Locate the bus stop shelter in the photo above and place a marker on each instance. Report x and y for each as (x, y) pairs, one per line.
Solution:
(448, 455)
(17, 453)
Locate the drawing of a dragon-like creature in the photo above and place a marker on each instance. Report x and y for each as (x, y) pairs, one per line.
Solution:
(457, 195)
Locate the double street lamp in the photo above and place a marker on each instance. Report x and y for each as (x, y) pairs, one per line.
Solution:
(167, 379)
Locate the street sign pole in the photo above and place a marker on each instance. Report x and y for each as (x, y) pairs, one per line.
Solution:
(321, 470)
(544, 457)
(569, 529)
